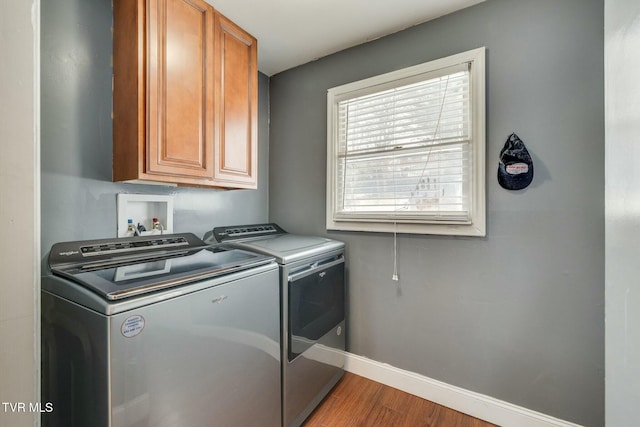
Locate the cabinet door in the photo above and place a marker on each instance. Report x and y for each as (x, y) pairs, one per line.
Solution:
(180, 89)
(236, 128)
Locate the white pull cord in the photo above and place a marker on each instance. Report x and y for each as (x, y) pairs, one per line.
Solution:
(395, 253)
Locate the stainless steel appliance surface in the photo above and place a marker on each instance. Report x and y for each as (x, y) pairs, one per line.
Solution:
(160, 331)
(312, 280)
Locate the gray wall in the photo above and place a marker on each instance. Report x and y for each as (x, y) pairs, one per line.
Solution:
(78, 197)
(517, 315)
(622, 100)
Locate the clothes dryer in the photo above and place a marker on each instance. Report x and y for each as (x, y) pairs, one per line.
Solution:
(312, 300)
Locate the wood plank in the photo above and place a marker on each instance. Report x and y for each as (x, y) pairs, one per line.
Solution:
(359, 402)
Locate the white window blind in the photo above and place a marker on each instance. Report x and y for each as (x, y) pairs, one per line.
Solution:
(404, 152)
(405, 149)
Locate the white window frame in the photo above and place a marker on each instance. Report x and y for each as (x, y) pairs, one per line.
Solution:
(476, 226)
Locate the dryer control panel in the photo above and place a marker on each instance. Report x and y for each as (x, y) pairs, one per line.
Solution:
(236, 232)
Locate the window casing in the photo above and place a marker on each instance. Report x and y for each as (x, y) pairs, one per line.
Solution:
(406, 150)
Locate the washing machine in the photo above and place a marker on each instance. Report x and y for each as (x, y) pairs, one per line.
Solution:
(160, 331)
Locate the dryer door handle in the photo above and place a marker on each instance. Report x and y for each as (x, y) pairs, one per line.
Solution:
(316, 266)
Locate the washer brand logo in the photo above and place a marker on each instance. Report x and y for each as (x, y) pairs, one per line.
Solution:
(219, 299)
(68, 253)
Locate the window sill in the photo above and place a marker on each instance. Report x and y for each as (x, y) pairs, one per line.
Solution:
(470, 230)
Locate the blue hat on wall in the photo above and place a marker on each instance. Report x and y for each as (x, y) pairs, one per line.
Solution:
(515, 170)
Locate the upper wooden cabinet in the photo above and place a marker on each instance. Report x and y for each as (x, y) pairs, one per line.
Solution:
(235, 155)
(185, 95)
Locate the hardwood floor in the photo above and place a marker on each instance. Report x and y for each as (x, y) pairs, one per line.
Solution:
(359, 402)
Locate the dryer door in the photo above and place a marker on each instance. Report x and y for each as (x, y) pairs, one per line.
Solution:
(316, 303)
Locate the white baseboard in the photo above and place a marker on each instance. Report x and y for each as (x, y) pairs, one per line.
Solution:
(487, 408)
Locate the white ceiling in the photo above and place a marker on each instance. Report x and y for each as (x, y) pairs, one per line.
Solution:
(294, 32)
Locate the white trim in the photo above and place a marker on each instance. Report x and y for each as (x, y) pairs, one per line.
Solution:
(37, 215)
(475, 404)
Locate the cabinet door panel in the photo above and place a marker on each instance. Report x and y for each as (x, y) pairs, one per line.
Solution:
(236, 135)
(180, 88)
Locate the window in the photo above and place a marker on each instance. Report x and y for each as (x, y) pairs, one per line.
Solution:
(406, 150)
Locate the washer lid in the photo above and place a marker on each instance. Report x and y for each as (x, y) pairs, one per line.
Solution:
(126, 267)
(287, 248)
